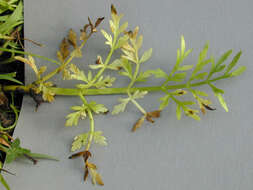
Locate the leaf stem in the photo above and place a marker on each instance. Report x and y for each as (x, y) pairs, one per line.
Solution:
(92, 126)
(107, 91)
(100, 72)
(138, 106)
(92, 129)
(134, 76)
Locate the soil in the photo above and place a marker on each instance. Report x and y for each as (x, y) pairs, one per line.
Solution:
(17, 67)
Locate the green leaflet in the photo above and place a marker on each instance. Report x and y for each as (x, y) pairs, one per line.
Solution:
(139, 94)
(82, 140)
(223, 58)
(127, 67)
(81, 112)
(218, 93)
(238, 71)
(178, 112)
(200, 93)
(77, 74)
(108, 37)
(215, 89)
(185, 67)
(115, 65)
(15, 151)
(157, 73)
(146, 55)
(233, 62)
(122, 40)
(4, 182)
(99, 138)
(123, 27)
(97, 108)
(73, 118)
(10, 77)
(178, 77)
(79, 141)
(222, 101)
(200, 76)
(164, 102)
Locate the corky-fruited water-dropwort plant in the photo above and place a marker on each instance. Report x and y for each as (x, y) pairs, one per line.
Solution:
(128, 65)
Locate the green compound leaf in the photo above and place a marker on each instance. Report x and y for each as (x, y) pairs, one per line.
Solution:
(120, 107)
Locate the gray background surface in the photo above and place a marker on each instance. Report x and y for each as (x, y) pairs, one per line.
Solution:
(215, 153)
